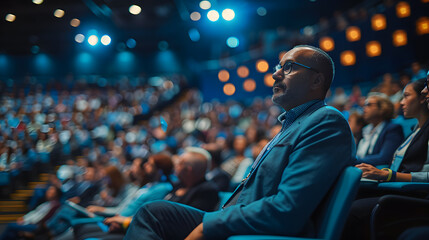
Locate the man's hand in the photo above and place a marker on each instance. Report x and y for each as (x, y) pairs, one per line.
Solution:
(196, 234)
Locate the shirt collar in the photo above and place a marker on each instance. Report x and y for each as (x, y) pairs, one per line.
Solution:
(291, 115)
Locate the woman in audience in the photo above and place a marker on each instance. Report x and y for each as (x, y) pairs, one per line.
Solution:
(381, 136)
(410, 163)
(30, 222)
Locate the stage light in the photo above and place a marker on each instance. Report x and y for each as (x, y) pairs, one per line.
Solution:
(378, 22)
(75, 22)
(195, 16)
(93, 40)
(268, 80)
(135, 9)
(399, 38)
(213, 15)
(10, 17)
(425, 1)
(228, 14)
(163, 45)
(229, 89)
(353, 34)
(249, 85)
(105, 40)
(262, 66)
(131, 43)
(373, 49)
(232, 42)
(223, 75)
(59, 13)
(243, 71)
(35, 49)
(37, 2)
(261, 11)
(403, 10)
(205, 5)
(347, 58)
(79, 38)
(422, 25)
(194, 35)
(281, 54)
(327, 44)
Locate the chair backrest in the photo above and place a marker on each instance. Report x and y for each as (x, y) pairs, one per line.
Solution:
(335, 208)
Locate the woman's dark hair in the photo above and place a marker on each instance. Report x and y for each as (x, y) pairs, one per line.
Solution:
(419, 85)
(117, 181)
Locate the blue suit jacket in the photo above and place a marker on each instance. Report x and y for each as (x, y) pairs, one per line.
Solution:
(388, 141)
(283, 192)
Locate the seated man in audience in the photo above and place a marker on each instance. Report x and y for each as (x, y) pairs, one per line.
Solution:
(192, 189)
(31, 221)
(381, 137)
(289, 178)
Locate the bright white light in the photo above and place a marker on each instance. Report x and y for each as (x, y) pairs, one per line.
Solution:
(105, 40)
(228, 14)
(135, 10)
(213, 15)
(195, 16)
(79, 38)
(37, 1)
(93, 40)
(59, 13)
(205, 5)
(10, 17)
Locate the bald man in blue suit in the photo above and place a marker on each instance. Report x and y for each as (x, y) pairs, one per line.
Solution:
(291, 175)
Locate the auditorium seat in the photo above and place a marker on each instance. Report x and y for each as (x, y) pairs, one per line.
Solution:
(333, 212)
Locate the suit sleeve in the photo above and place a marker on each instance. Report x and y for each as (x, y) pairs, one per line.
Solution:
(321, 153)
(391, 141)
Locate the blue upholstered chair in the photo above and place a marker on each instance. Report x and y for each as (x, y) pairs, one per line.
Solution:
(334, 210)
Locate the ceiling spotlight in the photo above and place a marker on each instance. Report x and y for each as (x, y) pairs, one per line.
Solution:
(105, 40)
(10, 17)
(205, 5)
(37, 1)
(135, 9)
(79, 38)
(228, 14)
(75, 22)
(93, 40)
(59, 13)
(213, 15)
(195, 16)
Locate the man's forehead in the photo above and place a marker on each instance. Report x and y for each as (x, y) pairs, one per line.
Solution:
(297, 54)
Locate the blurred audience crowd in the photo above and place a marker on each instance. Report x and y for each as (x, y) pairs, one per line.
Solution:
(108, 149)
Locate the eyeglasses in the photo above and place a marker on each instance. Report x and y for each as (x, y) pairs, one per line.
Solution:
(427, 81)
(287, 67)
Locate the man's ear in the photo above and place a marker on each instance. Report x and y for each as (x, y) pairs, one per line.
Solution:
(318, 81)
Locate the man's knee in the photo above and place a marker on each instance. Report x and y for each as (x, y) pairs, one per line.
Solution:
(155, 207)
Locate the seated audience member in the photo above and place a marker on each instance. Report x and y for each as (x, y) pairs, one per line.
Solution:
(237, 165)
(356, 123)
(83, 194)
(410, 162)
(31, 221)
(216, 174)
(192, 189)
(381, 137)
(154, 173)
(288, 181)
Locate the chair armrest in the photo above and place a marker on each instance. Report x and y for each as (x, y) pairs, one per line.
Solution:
(403, 186)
